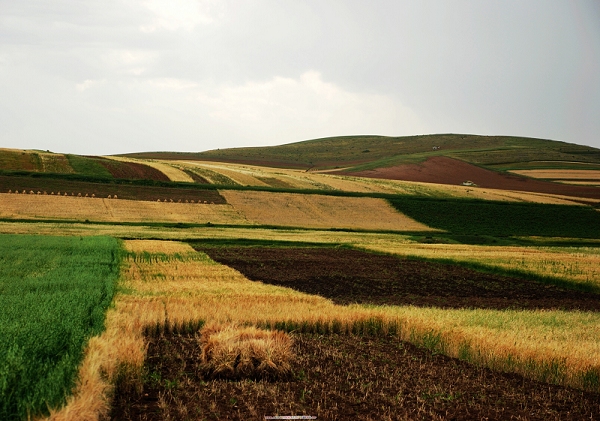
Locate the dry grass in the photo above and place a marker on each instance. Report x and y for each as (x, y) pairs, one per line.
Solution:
(576, 264)
(193, 287)
(233, 351)
(255, 175)
(316, 211)
(561, 174)
(111, 210)
(237, 174)
(168, 285)
(170, 171)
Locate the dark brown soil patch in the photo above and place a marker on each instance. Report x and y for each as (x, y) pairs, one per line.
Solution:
(352, 276)
(123, 191)
(131, 170)
(444, 170)
(341, 377)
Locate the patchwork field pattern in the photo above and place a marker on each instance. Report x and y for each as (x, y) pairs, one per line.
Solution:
(316, 211)
(37, 161)
(173, 173)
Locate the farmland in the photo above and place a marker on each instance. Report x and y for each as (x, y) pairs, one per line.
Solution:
(479, 300)
(168, 274)
(54, 294)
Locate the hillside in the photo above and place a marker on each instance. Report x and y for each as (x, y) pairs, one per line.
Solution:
(368, 152)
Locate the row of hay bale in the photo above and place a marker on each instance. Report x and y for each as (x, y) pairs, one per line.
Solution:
(57, 193)
(113, 196)
(200, 202)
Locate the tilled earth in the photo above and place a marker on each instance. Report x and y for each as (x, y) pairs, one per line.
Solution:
(352, 276)
(123, 191)
(344, 377)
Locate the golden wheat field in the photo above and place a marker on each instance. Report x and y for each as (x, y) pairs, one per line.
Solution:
(301, 179)
(113, 210)
(168, 285)
(316, 211)
(174, 174)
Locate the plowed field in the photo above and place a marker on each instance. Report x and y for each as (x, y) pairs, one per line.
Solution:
(446, 170)
(123, 191)
(340, 377)
(353, 276)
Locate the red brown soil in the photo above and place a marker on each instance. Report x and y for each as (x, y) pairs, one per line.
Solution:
(132, 170)
(444, 170)
(353, 276)
(345, 377)
(123, 191)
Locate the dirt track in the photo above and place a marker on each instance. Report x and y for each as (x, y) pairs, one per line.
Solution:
(352, 276)
(444, 170)
(339, 377)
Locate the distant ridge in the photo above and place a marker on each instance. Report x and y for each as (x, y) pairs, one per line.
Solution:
(370, 152)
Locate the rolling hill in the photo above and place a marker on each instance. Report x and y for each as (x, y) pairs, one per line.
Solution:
(369, 152)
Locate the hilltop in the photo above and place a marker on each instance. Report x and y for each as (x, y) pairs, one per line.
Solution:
(369, 152)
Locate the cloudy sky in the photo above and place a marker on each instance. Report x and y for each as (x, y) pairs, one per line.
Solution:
(114, 76)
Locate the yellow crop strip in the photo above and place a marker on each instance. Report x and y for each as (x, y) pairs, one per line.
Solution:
(576, 264)
(168, 285)
(34, 206)
(318, 211)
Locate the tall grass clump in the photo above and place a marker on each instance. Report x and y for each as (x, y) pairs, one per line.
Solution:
(54, 294)
(233, 351)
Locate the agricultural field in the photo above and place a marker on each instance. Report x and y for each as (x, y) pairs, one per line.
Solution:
(235, 284)
(54, 292)
(69, 208)
(165, 293)
(317, 211)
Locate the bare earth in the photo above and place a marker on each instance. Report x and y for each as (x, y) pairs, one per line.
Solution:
(446, 170)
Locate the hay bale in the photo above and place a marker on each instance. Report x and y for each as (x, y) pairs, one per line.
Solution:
(115, 197)
(78, 194)
(232, 351)
(10, 191)
(30, 191)
(109, 196)
(93, 195)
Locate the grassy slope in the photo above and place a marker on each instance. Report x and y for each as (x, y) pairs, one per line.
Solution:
(54, 292)
(377, 151)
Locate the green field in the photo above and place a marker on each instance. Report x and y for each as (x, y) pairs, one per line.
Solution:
(54, 292)
(502, 219)
(379, 151)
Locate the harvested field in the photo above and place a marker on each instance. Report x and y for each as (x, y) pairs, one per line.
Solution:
(340, 377)
(316, 211)
(352, 276)
(172, 173)
(123, 191)
(446, 170)
(572, 264)
(33, 206)
(554, 174)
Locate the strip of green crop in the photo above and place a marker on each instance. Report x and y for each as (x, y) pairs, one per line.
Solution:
(502, 219)
(88, 166)
(54, 292)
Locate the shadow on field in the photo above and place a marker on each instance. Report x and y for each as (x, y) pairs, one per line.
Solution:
(351, 276)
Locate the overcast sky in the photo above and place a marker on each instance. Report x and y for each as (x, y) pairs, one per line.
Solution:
(114, 76)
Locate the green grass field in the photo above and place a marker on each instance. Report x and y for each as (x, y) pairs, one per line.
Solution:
(54, 292)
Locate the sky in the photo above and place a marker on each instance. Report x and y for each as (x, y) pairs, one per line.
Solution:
(117, 76)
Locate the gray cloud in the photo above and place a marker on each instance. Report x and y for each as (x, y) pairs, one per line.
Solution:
(132, 75)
